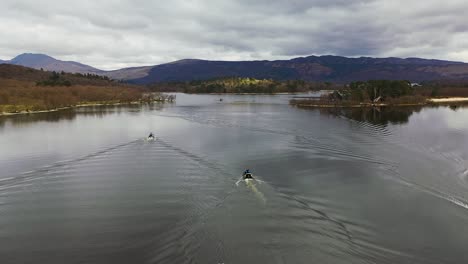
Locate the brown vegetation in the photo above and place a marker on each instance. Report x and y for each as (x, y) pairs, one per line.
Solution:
(20, 73)
(18, 96)
(443, 88)
(448, 91)
(24, 89)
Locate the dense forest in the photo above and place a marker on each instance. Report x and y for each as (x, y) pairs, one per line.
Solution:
(240, 85)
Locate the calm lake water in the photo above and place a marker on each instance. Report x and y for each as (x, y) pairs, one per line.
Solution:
(360, 186)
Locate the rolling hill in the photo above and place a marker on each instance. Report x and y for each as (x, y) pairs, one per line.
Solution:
(313, 68)
(129, 73)
(38, 61)
(26, 74)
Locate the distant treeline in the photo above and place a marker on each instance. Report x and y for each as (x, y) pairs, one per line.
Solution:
(391, 92)
(388, 92)
(55, 79)
(46, 78)
(90, 76)
(240, 85)
(443, 88)
(67, 79)
(377, 89)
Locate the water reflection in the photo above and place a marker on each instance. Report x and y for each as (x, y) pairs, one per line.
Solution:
(383, 115)
(374, 115)
(70, 114)
(329, 191)
(456, 107)
(18, 120)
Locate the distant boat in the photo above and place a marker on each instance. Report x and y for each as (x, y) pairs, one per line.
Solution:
(247, 175)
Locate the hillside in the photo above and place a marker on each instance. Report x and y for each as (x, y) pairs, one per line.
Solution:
(38, 61)
(129, 73)
(313, 68)
(21, 73)
(25, 89)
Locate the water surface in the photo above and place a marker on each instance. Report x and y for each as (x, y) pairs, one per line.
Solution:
(335, 186)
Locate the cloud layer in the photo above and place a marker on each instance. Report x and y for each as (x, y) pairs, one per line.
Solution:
(113, 34)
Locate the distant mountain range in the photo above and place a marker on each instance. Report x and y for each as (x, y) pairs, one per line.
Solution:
(312, 68)
(38, 61)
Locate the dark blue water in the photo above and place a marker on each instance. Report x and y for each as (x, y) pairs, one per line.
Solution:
(333, 186)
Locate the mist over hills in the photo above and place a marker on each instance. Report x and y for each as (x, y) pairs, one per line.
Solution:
(311, 68)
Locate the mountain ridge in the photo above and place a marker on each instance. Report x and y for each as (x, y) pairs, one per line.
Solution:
(310, 68)
(42, 61)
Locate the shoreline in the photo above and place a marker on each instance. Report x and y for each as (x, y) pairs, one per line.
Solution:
(357, 106)
(429, 101)
(448, 100)
(248, 93)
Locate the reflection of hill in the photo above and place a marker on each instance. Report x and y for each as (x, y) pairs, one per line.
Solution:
(18, 120)
(72, 113)
(374, 115)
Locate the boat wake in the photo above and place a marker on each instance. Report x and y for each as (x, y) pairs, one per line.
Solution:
(251, 184)
(41, 172)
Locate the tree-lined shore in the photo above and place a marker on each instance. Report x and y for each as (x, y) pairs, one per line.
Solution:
(388, 93)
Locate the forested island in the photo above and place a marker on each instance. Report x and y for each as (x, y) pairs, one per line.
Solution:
(389, 93)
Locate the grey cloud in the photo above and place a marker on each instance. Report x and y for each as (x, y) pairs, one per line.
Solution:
(113, 34)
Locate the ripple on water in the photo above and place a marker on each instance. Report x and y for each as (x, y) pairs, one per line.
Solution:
(171, 202)
(115, 194)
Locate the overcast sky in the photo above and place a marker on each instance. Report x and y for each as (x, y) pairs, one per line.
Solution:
(120, 33)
